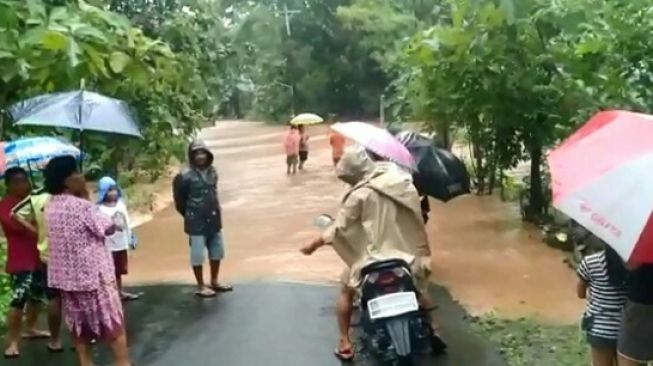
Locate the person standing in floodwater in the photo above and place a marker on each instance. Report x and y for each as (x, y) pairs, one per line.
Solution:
(303, 146)
(291, 145)
(195, 192)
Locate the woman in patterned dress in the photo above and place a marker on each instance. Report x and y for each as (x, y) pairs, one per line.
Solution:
(80, 265)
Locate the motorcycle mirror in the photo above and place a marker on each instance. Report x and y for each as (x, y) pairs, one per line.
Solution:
(323, 221)
(562, 237)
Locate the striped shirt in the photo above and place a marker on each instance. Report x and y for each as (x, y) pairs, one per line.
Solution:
(605, 301)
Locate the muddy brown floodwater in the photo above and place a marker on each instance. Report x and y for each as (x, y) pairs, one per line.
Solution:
(482, 252)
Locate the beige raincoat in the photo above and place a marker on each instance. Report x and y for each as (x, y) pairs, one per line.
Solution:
(380, 219)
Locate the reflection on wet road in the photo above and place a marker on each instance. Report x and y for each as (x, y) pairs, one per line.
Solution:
(271, 324)
(482, 252)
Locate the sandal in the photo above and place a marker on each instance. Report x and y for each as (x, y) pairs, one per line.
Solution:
(222, 288)
(205, 293)
(36, 334)
(129, 297)
(12, 355)
(345, 355)
(54, 350)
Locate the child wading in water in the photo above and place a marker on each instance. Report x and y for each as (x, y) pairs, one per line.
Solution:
(111, 204)
(291, 145)
(602, 281)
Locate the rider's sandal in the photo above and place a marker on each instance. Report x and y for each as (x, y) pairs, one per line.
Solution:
(11, 355)
(344, 355)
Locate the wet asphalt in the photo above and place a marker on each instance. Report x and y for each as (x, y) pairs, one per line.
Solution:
(271, 324)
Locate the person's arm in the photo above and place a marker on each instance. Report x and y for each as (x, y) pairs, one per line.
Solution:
(584, 279)
(23, 212)
(180, 193)
(128, 224)
(348, 214)
(95, 221)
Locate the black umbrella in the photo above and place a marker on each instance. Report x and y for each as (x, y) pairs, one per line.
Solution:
(440, 174)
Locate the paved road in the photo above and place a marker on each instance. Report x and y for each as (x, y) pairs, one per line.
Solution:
(272, 324)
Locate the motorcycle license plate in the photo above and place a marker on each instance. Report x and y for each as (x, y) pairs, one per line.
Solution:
(390, 305)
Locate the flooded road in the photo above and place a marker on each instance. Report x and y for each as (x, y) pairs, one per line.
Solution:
(482, 253)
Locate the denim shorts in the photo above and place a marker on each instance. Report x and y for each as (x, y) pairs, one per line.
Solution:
(214, 244)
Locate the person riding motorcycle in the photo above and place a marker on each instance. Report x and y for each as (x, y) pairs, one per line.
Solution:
(380, 219)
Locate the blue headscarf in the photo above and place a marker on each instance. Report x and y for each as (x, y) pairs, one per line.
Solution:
(104, 186)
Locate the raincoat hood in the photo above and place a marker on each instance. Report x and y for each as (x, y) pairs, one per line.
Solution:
(380, 218)
(354, 166)
(104, 185)
(199, 145)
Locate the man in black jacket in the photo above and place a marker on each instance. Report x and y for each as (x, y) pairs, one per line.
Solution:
(195, 191)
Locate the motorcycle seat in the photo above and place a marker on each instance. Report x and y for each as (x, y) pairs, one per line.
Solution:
(384, 265)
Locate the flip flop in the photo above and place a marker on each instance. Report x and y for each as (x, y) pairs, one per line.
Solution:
(344, 355)
(11, 356)
(43, 335)
(205, 294)
(130, 297)
(222, 288)
(54, 350)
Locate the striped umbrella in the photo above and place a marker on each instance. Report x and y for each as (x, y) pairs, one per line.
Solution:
(602, 177)
(33, 153)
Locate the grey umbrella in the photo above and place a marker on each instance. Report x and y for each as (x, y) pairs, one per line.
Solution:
(81, 110)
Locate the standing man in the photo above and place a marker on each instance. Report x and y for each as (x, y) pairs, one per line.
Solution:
(27, 273)
(195, 192)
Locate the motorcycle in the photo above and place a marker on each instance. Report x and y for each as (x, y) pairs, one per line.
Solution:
(394, 328)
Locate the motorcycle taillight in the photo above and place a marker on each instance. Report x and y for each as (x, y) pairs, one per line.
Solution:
(387, 278)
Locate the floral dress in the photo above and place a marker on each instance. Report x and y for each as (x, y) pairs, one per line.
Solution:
(81, 267)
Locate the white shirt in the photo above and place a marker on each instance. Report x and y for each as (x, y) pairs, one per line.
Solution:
(120, 239)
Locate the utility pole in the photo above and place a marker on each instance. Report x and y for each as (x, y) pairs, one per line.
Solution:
(287, 14)
(382, 110)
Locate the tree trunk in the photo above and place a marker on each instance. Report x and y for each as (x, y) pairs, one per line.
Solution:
(235, 102)
(480, 169)
(536, 199)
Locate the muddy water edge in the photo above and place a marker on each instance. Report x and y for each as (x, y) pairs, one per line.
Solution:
(483, 253)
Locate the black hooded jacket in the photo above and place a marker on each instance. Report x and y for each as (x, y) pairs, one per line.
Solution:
(196, 195)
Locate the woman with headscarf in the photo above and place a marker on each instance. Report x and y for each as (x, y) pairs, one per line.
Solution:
(379, 219)
(80, 264)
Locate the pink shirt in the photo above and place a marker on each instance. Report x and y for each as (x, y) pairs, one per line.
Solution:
(79, 259)
(291, 143)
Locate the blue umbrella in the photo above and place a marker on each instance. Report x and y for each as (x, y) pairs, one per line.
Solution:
(81, 110)
(34, 152)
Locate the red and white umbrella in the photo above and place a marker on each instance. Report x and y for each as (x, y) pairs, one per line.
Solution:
(602, 177)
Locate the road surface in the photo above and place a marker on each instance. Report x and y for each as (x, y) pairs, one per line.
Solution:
(262, 323)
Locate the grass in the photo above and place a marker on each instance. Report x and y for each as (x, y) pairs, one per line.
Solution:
(526, 342)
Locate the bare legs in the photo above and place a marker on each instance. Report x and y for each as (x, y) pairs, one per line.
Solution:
(118, 347)
(202, 289)
(626, 362)
(54, 323)
(604, 356)
(344, 307)
(215, 272)
(14, 322)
